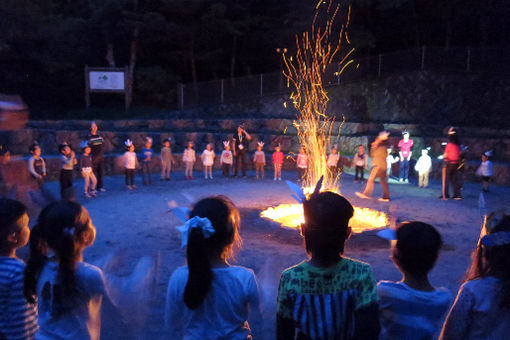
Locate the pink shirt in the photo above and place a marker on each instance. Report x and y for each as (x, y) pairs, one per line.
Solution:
(302, 161)
(405, 147)
(452, 152)
(260, 157)
(278, 157)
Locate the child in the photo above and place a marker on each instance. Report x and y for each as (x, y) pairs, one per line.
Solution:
(423, 166)
(208, 160)
(86, 171)
(278, 163)
(332, 162)
(405, 145)
(390, 160)
(37, 164)
(67, 162)
(166, 160)
(302, 163)
(412, 308)
(485, 171)
(329, 296)
(482, 307)
(260, 160)
(188, 157)
(147, 161)
(69, 291)
(360, 162)
(5, 157)
(18, 319)
(226, 159)
(208, 298)
(130, 164)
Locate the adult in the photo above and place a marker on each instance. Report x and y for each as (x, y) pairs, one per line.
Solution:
(378, 152)
(96, 144)
(405, 145)
(450, 170)
(240, 142)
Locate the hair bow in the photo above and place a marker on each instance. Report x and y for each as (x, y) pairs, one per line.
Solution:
(128, 142)
(195, 222)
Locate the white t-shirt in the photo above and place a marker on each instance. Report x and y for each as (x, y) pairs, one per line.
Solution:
(188, 155)
(81, 320)
(224, 312)
(485, 169)
(424, 164)
(130, 160)
(407, 313)
(333, 159)
(208, 157)
(226, 157)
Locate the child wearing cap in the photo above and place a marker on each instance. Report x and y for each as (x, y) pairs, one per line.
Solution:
(412, 308)
(485, 171)
(329, 296)
(423, 166)
(482, 307)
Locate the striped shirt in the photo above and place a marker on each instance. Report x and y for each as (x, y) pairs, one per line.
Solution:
(18, 319)
(407, 313)
(322, 301)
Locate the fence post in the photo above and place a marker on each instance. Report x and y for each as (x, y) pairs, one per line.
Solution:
(261, 84)
(468, 60)
(222, 90)
(180, 96)
(422, 58)
(379, 66)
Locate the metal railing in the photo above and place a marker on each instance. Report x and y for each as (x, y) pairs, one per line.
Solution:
(452, 60)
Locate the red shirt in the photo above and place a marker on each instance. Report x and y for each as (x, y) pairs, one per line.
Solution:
(405, 147)
(452, 152)
(278, 157)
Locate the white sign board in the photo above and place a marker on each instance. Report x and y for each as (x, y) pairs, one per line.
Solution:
(106, 80)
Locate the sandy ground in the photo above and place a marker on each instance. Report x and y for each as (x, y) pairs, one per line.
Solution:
(137, 223)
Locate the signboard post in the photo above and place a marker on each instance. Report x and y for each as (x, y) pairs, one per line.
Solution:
(108, 80)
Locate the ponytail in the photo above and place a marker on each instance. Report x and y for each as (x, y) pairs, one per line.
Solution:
(225, 219)
(36, 261)
(200, 273)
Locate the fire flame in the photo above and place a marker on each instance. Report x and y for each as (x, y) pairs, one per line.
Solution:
(291, 216)
(315, 51)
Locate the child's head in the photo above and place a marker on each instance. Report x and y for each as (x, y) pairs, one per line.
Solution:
(65, 228)
(424, 152)
(492, 256)
(361, 149)
(131, 148)
(277, 148)
(35, 149)
(202, 250)
(93, 128)
(259, 147)
(166, 143)
(14, 231)
(333, 149)
(301, 149)
(64, 149)
(129, 145)
(190, 145)
(405, 135)
(148, 142)
(326, 226)
(209, 147)
(87, 150)
(226, 145)
(416, 248)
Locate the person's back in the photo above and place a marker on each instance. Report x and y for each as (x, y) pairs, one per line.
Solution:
(223, 313)
(482, 307)
(412, 308)
(329, 296)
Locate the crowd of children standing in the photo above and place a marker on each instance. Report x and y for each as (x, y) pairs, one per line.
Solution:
(57, 295)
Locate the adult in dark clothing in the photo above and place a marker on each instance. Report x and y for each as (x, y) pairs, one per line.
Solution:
(378, 152)
(96, 144)
(240, 145)
(450, 170)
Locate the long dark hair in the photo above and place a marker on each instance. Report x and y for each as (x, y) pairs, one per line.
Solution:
(494, 261)
(225, 219)
(10, 212)
(66, 228)
(327, 216)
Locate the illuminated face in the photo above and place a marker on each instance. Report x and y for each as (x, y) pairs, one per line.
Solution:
(333, 150)
(131, 148)
(259, 148)
(22, 232)
(148, 145)
(66, 150)
(190, 145)
(37, 151)
(227, 147)
(239, 129)
(361, 149)
(208, 147)
(301, 150)
(87, 150)
(277, 149)
(406, 137)
(166, 144)
(93, 128)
